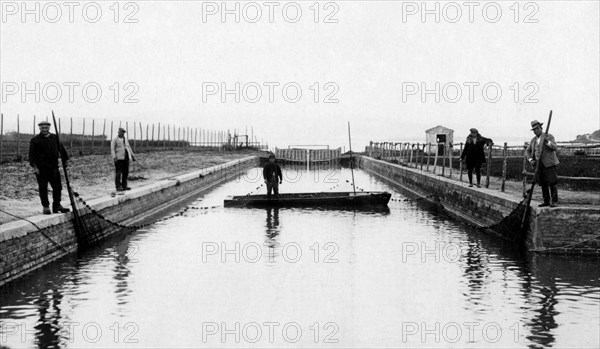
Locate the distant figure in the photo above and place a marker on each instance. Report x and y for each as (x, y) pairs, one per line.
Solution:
(43, 157)
(273, 177)
(474, 154)
(547, 178)
(121, 153)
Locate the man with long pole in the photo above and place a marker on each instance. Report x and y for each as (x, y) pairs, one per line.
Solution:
(535, 153)
(541, 153)
(44, 150)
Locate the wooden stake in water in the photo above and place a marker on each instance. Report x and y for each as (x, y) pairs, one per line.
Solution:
(351, 165)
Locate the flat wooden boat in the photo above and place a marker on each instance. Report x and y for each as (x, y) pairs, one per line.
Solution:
(333, 199)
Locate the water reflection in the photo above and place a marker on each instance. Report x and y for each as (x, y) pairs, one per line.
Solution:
(49, 326)
(156, 279)
(124, 254)
(272, 232)
(535, 283)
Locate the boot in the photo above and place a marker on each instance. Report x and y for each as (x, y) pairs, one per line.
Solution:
(60, 209)
(46, 210)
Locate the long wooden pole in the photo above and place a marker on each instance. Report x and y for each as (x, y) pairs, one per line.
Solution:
(351, 160)
(537, 172)
(79, 226)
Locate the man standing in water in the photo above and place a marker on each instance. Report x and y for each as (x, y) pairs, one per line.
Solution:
(273, 177)
(547, 178)
(121, 153)
(43, 157)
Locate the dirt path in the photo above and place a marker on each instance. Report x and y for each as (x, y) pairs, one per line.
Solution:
(93, 176)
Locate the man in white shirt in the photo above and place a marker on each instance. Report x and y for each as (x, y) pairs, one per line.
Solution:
(121, 153)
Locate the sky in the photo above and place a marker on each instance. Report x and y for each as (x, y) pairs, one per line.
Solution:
(305, 68)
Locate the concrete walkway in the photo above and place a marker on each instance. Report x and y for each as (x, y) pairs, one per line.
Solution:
(566, 197)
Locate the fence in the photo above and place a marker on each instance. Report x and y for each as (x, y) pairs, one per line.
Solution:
(302, 155)
(84, 136)
(505, 162)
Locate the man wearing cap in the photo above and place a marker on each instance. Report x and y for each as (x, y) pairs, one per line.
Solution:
(474, 154)
(121, 153)
(44, 150)
(547, 178)
(273, 177)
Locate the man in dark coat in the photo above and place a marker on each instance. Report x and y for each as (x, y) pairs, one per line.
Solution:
(547, 178)
(43, 158)
(474, 155)
(273, 177)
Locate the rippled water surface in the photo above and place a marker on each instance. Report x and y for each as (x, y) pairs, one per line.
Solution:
(405, 276)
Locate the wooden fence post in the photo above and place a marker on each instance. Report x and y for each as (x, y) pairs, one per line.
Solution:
(103, 133)
(489, 167)
(147, 137)
(444, 158)
(423, 156)
(83, 136)
(450, 151)
(18, 137)
(158, 136)
(71, 145)
(437, 146)
(153, 134)
(141, 133)
(93, 133)
(418, 147)
(428, 156)
(504, 156)
(34, 125)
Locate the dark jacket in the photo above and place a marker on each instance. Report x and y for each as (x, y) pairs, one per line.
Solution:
(272, 172)
(473, 152)
(44, 151)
